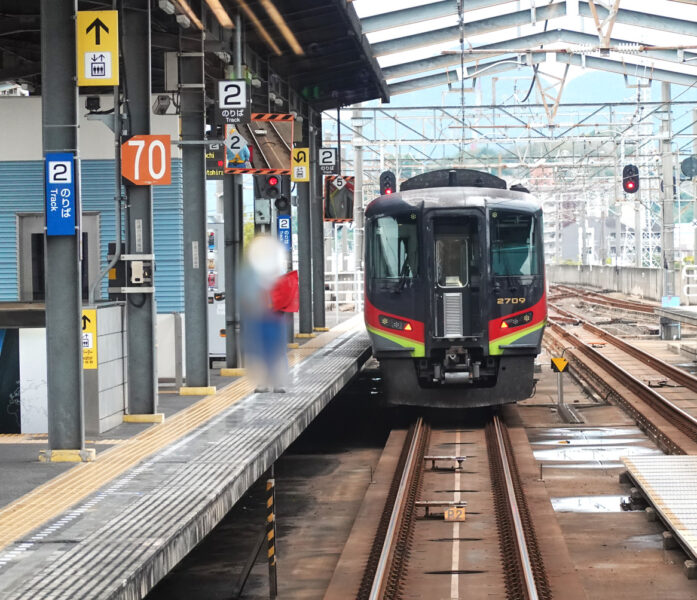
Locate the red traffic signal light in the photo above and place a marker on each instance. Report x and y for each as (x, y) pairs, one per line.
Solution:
(630, 179)
(272, 180)
(388, 182)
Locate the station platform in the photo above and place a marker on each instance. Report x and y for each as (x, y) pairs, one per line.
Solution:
(682, 314)
(114, 527)
(669, 484)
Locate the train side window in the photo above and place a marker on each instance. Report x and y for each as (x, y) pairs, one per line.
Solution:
(514, 250)
(393, 247)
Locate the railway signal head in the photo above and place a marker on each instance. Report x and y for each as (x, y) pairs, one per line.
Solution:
(630, 179)
(270, 186)
(388, 183)
(282, 205)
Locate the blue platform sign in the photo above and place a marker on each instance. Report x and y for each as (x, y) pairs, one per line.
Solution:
(283, 231)
(60, 193)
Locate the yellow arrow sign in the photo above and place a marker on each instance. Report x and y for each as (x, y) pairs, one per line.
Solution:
(559, 364)
(89, 338)
(300, 165)
(97, 47)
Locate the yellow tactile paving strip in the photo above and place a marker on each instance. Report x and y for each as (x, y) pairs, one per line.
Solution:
(42, 438)
(60, 493)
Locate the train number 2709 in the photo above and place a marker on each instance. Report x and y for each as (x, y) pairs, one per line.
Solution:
(510, 301)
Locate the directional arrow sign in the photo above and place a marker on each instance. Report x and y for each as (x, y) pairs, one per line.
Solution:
(559, 365)
(97, 25)
(97, 47)
(300, 165)
(89, 338)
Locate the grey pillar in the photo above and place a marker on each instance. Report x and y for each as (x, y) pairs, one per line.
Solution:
(192, 94)
(304, 246)
(637, 227)
(290, 317)
(232, 216)
(358, 224)
(694, 185)
(667, 240)
(66, 427)
(140, 308)
(317, 220)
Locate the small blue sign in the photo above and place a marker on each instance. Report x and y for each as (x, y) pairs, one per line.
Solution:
(60, 193)
(283, 231)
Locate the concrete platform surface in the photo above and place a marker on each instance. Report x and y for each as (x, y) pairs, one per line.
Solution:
(670, 485)
(113, 528)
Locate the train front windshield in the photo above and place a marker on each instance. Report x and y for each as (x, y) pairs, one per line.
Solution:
(393, 247)
(515, 243)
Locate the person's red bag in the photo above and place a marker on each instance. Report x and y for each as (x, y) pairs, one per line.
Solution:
(285, 293)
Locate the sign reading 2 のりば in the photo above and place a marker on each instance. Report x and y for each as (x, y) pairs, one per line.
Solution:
(60, 194)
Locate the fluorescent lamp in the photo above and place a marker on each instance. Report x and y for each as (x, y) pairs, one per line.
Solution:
(166, 6)
(184, 21)
(220, 14)
(280, 22)
(259, 27)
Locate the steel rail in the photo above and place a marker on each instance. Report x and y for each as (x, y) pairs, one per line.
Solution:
(521, 541)
(382, 571)
(674, 414)
(279, 136)
(678, 375)
(257, 144)
(595, 298)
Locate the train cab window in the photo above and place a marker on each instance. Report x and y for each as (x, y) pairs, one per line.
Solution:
(514, 247)
(452, 261)
(393, 245)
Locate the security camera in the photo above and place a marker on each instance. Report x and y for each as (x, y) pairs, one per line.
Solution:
(161, 104)
(92, 103)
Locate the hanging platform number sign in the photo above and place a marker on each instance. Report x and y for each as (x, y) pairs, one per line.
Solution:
(232, 102)
(300, 165)
(146, 160)
(327, 161)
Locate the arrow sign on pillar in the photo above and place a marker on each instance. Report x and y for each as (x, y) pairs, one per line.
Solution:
(97, 25)
(85, 321)
(97, 47)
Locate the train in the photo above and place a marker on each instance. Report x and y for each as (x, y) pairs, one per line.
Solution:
(455, 293)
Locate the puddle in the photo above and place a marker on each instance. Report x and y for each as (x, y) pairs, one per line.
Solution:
(587, 432)
(594, 441)
(588, 504)
(604, 453)
(586, 465)
(651, 541)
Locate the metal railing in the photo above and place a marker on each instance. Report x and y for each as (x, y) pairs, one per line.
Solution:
(343, 292)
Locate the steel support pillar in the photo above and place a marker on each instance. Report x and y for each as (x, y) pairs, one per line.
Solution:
(66, 427)
(304, 245)
(317, 222)
(694, 186)
(232, 217)
(140, 308)
(667, 234)
(192, 94)
(358, 220)
(290, 317)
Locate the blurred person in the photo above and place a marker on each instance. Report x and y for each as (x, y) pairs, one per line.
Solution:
(266, 293)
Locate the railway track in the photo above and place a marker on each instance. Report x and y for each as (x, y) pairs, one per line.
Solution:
(651, 390)
(388, 564)
(558, 292)
(270, 142)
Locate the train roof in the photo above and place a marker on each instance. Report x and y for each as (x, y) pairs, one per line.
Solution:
(453, 197)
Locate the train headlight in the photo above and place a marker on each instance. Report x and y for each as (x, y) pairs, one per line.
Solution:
(392, 323)
(517, 321)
